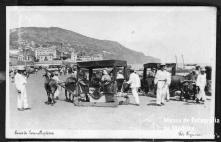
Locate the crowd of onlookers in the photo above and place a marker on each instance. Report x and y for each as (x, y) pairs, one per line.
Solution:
(103, 78)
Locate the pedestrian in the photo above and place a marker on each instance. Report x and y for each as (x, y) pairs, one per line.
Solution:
(197, 70)
(12, 75)
(20, 84)
(120, 80)
(74, 72)
(60, 71)
(160, 80)
(201, 82)
(55, 77)
(134, 82)
(67, 70)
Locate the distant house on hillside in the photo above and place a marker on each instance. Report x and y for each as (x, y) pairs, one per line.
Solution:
(47, 54)
(48, 57)
(97, 57)
(73, 56)
(27, 56)
(90, 58)
(13, 51)
(13, 59)
(84, 58)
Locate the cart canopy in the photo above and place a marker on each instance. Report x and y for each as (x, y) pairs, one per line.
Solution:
(156, 65)
(102, 64)
(151, 65)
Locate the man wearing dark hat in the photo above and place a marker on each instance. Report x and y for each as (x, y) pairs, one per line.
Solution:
(20, 84)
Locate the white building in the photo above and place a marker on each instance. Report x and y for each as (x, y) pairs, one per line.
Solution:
(73, 56)
(46, 54)
(84, 58)
(97, 57)
(14, 51)
(25, 58)
(45, 57)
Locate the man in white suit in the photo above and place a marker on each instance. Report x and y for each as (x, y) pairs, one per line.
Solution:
(160, 80)
(201, 82)
(20, 84)
(134, 82)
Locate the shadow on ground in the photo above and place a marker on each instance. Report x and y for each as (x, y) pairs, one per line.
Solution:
(152, 104)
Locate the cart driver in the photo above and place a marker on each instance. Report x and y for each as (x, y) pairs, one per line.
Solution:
(120, 75)
(105, 81)
(106, 77)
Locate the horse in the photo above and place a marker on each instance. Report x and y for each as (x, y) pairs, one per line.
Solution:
(50, 86)
(70, 86)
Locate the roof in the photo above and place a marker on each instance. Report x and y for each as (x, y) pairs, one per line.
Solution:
(102, 64)
(170, 64)
(190, 64)
(151, 65)
(156, 65)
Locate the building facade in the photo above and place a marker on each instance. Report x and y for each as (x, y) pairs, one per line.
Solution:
(97, 57)
(13, 59)
(73, 56)
(46, 54)
(22, 57)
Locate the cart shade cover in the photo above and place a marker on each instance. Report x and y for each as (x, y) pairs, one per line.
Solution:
(102, 64)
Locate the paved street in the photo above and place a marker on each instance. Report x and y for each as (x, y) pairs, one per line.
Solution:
(66, 116)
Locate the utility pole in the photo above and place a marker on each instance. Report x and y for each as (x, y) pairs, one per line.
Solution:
(183, 61)
(176, 61)
(24, 55)
(61, 51)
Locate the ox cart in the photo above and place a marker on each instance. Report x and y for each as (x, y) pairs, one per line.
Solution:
(182, 86)
(150, 69)
(91, 91)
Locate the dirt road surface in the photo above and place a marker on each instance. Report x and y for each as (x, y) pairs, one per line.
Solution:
(66, 116)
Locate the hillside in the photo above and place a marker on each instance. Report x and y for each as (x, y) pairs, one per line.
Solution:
(35, 36)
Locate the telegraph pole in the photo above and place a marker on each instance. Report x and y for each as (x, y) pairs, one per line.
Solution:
(176, 61)
(183, 61)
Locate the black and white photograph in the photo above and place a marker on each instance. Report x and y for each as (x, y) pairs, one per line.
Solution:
(125, 72)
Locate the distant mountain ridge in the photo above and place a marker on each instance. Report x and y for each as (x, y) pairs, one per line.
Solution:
(36, 36)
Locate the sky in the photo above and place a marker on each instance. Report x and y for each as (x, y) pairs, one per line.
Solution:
(162, 32)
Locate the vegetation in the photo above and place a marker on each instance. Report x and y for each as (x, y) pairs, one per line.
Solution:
(36, 36)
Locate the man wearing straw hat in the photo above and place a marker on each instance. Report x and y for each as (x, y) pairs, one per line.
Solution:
(20, 84)
(160, 80)
(201, 82)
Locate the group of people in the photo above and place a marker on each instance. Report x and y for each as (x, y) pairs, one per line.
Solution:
(162, 80)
